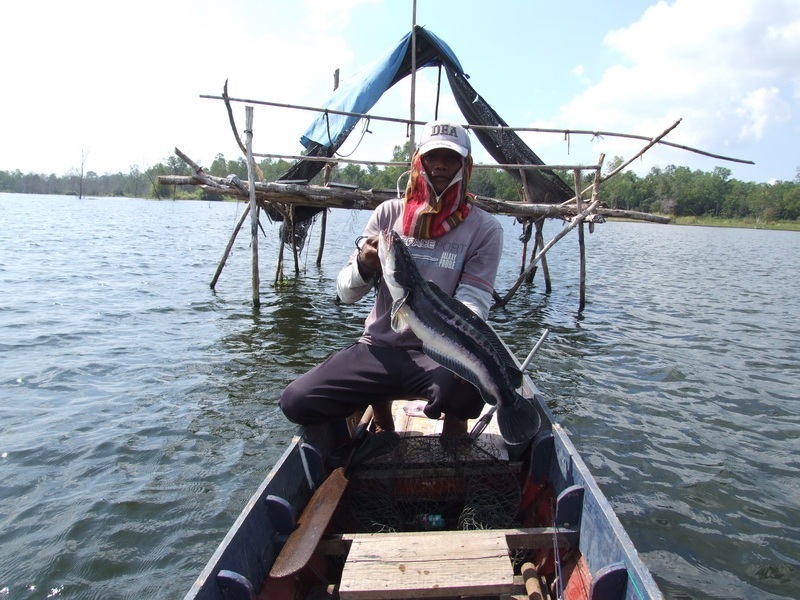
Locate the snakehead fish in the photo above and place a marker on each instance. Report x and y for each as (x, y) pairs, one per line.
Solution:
(457, 339)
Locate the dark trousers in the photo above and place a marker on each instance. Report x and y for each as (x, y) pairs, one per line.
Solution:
(362, 374)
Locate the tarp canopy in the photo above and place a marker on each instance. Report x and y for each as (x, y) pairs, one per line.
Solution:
(362, 91)
(358, 95)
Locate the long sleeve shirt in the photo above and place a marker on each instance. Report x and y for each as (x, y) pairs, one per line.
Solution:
(463, 263)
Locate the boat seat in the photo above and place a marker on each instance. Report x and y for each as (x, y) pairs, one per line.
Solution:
(409, 420)
(432, 564)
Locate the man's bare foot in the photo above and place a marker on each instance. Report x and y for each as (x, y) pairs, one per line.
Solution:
(382, 415)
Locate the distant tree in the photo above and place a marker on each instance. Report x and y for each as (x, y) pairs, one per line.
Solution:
(674, 190)
(482, 183)
(135, 183)
(351, 174)
(175, 166)
(274, 170)
(218, 167)
(623, 190)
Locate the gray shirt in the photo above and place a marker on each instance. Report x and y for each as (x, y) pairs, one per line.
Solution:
(463, 263)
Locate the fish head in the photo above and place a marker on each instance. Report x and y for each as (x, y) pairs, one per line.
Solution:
(399, 270)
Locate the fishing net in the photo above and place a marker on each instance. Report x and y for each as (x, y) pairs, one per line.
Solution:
(423, 483)
(300, 232)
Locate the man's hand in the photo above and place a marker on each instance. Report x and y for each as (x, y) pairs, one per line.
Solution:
(368, 261)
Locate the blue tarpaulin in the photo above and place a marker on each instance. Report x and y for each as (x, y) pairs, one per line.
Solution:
(360, 93)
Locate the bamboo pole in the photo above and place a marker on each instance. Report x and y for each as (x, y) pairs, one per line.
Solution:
(251, 179)
(229, 246)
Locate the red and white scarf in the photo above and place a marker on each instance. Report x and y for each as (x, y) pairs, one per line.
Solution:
(427, 216)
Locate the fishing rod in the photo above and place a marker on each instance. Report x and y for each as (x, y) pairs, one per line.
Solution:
(484, 421)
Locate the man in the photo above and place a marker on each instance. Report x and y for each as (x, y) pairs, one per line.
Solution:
(456, 245)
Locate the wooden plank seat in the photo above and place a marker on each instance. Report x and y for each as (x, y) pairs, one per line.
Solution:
(427, 565)
(409, 420)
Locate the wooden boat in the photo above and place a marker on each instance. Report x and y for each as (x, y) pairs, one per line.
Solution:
(430, 517)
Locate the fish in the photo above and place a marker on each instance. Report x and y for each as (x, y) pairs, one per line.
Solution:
(456, 338)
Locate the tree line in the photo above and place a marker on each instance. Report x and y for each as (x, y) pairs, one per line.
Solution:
(675, 191)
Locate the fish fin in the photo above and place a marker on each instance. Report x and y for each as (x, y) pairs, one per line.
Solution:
(518, 422)
(486, 330)
(398, 322)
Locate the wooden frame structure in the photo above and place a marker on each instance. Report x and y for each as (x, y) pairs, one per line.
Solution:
(283, 196)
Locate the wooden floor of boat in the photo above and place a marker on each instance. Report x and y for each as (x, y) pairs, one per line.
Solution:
(431, 564)
(409, 421)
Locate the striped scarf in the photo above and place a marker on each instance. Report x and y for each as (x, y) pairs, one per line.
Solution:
(425, 216)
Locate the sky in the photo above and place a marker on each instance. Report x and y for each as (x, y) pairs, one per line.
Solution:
(117, 84)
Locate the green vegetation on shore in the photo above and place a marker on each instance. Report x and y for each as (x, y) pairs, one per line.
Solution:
(737, 223)
(689, 197)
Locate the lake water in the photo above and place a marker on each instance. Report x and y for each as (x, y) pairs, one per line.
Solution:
(138, 407)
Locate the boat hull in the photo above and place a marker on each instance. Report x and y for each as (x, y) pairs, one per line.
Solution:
(559, 505)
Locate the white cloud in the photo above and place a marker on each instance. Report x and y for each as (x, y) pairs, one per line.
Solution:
(331, 16)
(117, 80)
(123, 82)
(759, 109)
(729, 71)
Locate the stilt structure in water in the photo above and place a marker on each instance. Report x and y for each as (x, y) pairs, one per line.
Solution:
(295, 201)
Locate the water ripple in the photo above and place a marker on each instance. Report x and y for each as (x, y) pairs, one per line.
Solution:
(138, 407)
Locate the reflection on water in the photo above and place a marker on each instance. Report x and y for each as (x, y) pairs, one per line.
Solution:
(138, 407)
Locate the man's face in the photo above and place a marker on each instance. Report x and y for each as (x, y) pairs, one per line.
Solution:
(441, 165)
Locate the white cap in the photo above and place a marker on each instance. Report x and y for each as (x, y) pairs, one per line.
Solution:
(444, 134)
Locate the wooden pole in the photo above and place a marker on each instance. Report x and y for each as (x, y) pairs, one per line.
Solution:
(293, 231)
(524, 251)
(527, 194)
(653, 142)
(229, 246)
(279, 268)
(324, 224)
(537, 246)
(532, 585)
(503, 300)
(581, 244)
(326, 181)
(596, 186)
(251, 179)
(413, 76)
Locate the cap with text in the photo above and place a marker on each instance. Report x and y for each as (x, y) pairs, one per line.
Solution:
(444, 134)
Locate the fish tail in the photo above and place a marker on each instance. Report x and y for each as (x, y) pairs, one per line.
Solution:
(518, 422)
